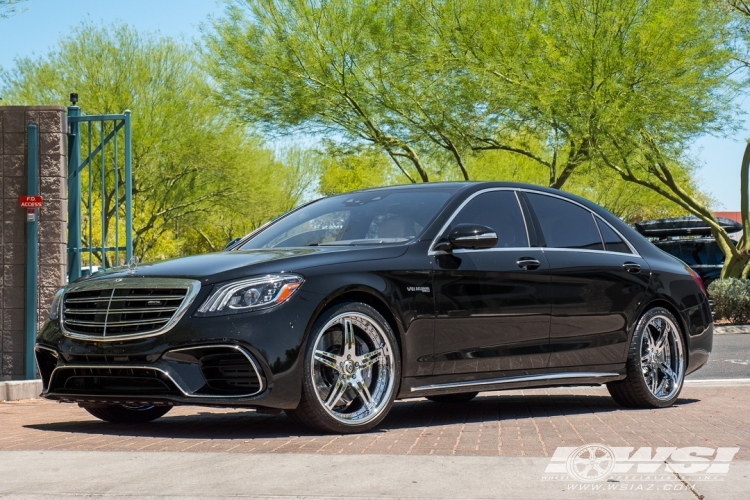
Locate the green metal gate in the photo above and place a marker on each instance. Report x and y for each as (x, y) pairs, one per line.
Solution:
(100, 191)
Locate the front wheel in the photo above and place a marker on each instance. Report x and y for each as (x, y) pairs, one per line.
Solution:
(351, 373)
(127, 414)
(656, 363)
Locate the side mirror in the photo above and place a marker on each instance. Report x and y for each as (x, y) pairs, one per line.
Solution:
(232, 243)
(472, 236)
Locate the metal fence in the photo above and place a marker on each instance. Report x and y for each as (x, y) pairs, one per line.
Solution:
(100, 189)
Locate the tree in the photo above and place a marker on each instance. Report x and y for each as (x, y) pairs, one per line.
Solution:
(544, 80)
(192, 164)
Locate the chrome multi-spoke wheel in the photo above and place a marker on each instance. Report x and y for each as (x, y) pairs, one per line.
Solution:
(662, 357)
(656, 363)
(352, 370)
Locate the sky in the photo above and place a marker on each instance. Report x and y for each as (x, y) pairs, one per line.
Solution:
(44, 22)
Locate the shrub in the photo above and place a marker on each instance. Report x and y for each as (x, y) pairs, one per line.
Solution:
(731, 298)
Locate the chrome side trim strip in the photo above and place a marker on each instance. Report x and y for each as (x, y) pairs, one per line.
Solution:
(192, 286)
(511, 380)
(261, 380)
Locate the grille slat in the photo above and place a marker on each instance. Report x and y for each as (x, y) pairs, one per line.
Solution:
(117, 310)
(117, 323)
(123, 311)
(120, 299)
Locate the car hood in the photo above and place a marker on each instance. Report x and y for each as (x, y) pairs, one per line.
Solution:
(221, 266)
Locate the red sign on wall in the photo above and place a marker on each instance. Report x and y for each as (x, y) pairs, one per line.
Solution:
(31, 201)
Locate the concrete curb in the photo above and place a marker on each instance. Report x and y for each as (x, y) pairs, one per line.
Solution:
(731, 329)
(718, 382)
(20, 389)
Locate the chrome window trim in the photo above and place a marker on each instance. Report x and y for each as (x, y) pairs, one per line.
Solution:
(516, 379)
(193, 287)
(445, 226)
(623, 238)
(584, 250)
(503, 249)
(618, 233)
(525, 225)
(598, 231)
(165, 373)
(433, 252)
(244, 352)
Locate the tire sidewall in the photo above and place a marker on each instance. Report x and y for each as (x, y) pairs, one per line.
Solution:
(308, 384)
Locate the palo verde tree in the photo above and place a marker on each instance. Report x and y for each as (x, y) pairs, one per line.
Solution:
(199, 177)
(435, 84)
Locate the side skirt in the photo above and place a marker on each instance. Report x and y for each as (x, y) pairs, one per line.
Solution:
(413, 388)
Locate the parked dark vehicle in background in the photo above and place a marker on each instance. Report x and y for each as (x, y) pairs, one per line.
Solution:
(689, 239)
(345, 304)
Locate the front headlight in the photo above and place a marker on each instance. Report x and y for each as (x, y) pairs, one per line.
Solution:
(54, 309)
(250, 294)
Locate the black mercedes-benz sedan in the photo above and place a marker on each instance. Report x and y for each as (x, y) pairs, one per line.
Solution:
(339, 307)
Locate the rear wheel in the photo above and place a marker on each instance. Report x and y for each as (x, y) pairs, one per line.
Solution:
(453, 398)
(656, 363)
(128, 414)
(352, 371)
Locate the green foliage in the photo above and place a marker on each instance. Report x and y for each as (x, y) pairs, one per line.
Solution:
(552, 81)
(630, 202)
(344, 171)
(199, 177)
(731, 298)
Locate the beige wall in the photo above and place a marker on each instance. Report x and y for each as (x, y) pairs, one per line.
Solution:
(52, 230)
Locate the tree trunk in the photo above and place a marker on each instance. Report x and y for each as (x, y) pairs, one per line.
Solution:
(737, 266)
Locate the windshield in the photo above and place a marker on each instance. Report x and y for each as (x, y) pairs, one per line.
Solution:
(366, 218)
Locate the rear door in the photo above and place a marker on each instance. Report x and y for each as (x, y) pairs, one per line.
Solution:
(597, 283)
(493, 305)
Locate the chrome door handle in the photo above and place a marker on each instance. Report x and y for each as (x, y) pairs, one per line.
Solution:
(528, 263)
(632, 267)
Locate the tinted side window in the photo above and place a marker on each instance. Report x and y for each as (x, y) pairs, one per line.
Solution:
(564, 224)
(699, 253)
(500, 211)
(612, 242)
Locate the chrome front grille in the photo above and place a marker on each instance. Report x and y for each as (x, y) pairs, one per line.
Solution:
(116, 309)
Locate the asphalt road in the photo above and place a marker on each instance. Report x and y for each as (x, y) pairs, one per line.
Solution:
(730, 358)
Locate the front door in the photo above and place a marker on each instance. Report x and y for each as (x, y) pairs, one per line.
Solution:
(493, 305)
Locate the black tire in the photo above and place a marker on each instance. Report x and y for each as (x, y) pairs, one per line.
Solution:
(634, 391)
(462, 397)
(119, 414)
(311, 411)
(294, 417)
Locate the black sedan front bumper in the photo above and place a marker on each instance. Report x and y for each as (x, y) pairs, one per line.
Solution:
(246, 360)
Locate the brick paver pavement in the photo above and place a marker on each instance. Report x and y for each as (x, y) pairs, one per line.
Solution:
(514, 423)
